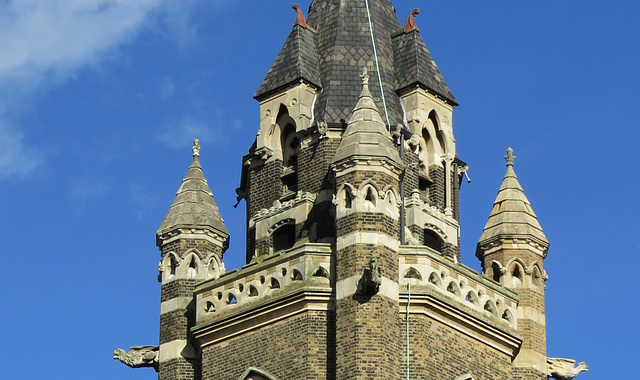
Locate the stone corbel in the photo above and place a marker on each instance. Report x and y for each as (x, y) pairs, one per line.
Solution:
(263, 153)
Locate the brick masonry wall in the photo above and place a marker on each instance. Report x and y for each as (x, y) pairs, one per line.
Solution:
(177, 288)
(353, 259)
(412, 173)
(314, 163)
(369, 344)
(439, 352)
(175, 325)
(178, 369)
(528, 374)
(265, 185)
(369, 222)
(299, 347)
(436, 190)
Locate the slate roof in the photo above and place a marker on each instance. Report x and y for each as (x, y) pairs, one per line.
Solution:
(415, 66)
(512, 215)
(343, 47)
(193, 206)
(366, 135)
(298, 59)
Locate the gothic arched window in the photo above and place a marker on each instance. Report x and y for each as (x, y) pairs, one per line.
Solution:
(284, 237)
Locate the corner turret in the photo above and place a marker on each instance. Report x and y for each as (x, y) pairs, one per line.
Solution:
(512, 249)
(192, 239)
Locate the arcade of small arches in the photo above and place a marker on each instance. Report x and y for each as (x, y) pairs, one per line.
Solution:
(516, 273)
(193, 265)
(368, 197)
(473, 295)
(249, 289)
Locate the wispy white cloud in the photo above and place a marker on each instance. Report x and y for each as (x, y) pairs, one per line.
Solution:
(45, 42)
(84, 190)
(183, 133)
(16, 158)
(143, 201)
(49, 39)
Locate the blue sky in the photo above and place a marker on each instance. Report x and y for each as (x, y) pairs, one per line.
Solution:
(100, 100)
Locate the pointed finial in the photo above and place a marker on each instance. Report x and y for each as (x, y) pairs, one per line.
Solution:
(410, 24)
(510, 157)
(365, 77)
(300, 19)
(196, 148)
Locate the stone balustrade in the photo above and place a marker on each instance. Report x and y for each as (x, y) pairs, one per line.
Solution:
(305, 266)
(429, 272)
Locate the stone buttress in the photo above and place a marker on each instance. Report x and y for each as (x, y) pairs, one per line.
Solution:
(367, 170)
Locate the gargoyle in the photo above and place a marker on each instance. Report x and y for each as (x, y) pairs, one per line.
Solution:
(371, 280)
(561, 368)
(138, 356)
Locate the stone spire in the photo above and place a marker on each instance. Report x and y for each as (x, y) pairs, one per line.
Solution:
(512, 215)
(193, 206)
(366, 135)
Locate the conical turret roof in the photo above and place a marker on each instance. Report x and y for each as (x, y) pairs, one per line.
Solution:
(193, 206)
(512, 215)
(366, 135)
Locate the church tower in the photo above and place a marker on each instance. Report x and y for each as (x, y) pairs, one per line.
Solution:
(512, 249)
(192, 239)
(352, 261)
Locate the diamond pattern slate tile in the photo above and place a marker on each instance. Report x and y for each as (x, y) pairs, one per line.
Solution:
(414, 65)
(298, 59)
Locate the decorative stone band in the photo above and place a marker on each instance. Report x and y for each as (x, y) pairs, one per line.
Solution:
(524, 242)
(435, 275)
(176, 349)
(178, 303)
(367, 238)
(359, 164)
(207, 234)
(278, 207)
